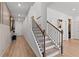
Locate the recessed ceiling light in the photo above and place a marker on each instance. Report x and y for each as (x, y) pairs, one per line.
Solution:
(19, 15)
(19, 4)
(74, 9)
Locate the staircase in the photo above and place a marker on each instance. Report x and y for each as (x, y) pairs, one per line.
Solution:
(47, 47)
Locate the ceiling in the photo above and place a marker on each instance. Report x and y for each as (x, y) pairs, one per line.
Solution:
(70, 8)
(19, 10)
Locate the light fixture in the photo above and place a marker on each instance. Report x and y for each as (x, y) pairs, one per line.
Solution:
(74, 9)
(19, 4)
(19, 15)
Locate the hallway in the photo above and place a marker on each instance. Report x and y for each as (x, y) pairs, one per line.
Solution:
(19, 48)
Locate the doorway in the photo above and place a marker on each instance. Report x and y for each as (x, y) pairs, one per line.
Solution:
(69, 28)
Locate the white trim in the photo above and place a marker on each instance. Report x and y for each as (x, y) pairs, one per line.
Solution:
(37, 44)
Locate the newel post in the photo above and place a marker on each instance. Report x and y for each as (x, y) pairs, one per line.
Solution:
(61, 42)
(44, 43)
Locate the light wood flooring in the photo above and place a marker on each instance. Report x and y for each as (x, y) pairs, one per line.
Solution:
(71, 48)
(19, 48)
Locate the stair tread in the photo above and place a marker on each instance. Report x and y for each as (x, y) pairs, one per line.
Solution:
(47, 44)
(48, 41)
(53, 54)
(51, 46)
(36, 29)
(39, 34)
(51, 51)
(42, 40)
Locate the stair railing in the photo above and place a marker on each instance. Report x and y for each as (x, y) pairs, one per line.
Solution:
(56, 35)
(34, 23)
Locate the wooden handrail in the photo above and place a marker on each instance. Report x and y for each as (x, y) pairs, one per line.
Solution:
(43, 32)
(44, 53)
(38, 26)
(61, 31)
(62, 42)
(38, 17)
(54, 26)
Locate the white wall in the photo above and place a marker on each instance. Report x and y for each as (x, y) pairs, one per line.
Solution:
(35, 10)
(18, 28)
(26, 29)
(27, 32)
(39, 9)
(53, 16)
(5, 38)
(5, 15)
(75, 27)
(44, 15)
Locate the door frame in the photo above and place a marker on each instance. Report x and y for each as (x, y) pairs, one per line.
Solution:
(69, 28)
